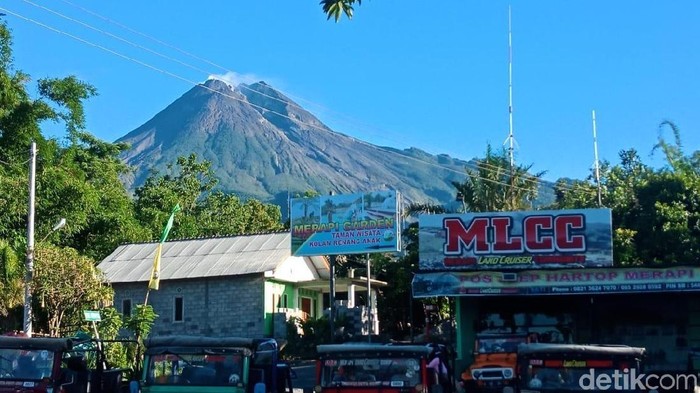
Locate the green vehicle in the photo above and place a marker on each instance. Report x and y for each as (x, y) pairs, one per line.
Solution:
(214, 364)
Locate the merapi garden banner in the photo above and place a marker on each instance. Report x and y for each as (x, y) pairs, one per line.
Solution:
(346, 224)
(516, 240)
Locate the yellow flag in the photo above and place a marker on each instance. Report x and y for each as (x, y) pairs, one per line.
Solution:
(154, 282)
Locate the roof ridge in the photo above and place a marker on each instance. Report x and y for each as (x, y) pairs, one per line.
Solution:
(209, 237)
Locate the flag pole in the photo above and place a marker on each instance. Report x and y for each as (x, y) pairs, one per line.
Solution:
(154, 281)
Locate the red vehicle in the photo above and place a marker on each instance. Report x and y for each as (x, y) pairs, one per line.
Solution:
(54, 365)
(388, 368)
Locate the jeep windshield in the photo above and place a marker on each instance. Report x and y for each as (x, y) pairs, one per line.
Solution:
(210, 368)
(25, 364)
(499, 344)
(564, 367)
(573, 378)
(376, 371)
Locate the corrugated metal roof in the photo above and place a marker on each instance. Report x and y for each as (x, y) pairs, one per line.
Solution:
(222, 256)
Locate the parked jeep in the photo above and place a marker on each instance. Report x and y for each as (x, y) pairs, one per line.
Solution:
(191, 364)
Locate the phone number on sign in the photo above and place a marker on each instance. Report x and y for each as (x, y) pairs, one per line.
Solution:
(630, 287)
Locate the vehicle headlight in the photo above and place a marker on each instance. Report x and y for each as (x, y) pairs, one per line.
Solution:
(508, 373)
(476, 374)
(317, 389)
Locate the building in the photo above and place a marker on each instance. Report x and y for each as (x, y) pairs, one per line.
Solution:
(246, 286)
(513, 273)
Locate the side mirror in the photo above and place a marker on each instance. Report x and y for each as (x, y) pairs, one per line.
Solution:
(259, 387)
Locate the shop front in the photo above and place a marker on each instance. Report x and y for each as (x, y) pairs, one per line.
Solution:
(502, 285)
(658, 309)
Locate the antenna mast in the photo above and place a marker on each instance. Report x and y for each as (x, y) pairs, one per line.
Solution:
(597, 169)
(510, 90)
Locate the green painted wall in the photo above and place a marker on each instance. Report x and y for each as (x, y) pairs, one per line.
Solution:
(465, 314)
(273, 292)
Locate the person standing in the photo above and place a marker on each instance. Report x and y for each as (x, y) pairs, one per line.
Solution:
(437, 364)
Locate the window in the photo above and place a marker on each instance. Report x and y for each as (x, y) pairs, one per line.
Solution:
(284, 301)
(179, 310)
(126, 307)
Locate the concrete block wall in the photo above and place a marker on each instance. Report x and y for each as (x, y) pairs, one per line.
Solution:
(221, 306)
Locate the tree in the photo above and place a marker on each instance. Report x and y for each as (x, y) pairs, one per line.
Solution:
(655, 213)
(11, 280)
(336, 8)
(66, 283)
(205, 211)
(77, 178)
(494, 186)
(81, 182)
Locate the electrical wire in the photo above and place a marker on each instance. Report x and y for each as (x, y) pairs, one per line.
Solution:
(480, 162)
(347, 119)
(173, 75)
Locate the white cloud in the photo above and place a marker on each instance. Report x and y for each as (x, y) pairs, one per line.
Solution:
(235, 79)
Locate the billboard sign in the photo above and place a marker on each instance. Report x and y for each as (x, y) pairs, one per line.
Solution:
(346, 224)
(557, 282)
(516, 240)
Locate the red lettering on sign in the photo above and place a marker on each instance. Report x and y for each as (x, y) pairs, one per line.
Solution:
(541, 234)
(475, 237)
(534, 226)
(563, 226)
(503, 242)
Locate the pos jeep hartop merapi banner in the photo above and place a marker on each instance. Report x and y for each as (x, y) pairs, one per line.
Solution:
(345, 224)
(516, 240)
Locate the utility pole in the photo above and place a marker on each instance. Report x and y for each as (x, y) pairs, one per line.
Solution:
(597, 168)
(331, 292)
(369, 302)
(511, 137)
(30, 244)
(331, 297)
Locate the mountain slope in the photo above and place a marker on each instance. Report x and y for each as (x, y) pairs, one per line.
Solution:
(263, 145)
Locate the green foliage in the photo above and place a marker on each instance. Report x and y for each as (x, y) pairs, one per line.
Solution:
(68, 93)
(140, 323)
(396, 300)
(304, 335)
(11, 279)
(205, 212)
(656, 213)
(336, 8)
(495, 186)
(116, 353)
(66, 284)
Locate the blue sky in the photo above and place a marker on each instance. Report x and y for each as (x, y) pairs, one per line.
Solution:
(401, 74)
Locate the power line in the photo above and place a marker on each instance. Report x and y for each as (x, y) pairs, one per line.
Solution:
(170, 58)
(173, 75)
(223, 68)
(351, 121)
